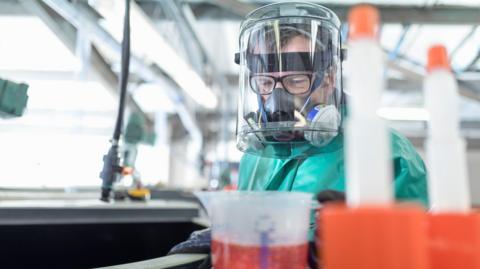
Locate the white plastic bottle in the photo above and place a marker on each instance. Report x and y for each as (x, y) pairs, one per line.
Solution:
(447, 177)
(372, 232)
(367, 149)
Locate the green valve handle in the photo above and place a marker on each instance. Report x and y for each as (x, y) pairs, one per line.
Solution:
(13, 98)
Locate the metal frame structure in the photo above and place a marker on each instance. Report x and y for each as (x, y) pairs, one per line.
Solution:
(81, 15)
(67, 34)
(404, 14)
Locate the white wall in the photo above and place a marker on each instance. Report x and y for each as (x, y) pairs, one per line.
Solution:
(473, 158)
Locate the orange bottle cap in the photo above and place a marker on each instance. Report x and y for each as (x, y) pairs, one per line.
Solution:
(391, 237)
(454, 240)
(363, 21)
(437, 58)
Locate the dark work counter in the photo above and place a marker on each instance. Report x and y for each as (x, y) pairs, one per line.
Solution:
(87, 233)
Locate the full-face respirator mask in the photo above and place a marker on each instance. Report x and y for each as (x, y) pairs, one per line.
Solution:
(290, 80)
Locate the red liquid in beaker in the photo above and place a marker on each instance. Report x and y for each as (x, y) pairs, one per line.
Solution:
(233, 256)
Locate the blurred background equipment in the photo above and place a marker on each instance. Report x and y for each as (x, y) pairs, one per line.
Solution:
(13, 98)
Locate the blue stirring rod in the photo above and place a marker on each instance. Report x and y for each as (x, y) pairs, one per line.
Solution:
(264, 250)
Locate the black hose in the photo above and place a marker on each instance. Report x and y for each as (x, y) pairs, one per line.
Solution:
(125, 62)
(111, 160)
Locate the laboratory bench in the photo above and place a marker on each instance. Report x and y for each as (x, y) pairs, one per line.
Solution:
(61, 230)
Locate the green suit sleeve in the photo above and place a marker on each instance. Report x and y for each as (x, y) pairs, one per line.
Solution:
(409, 171)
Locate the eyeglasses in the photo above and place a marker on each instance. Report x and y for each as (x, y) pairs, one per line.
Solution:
(294, 84)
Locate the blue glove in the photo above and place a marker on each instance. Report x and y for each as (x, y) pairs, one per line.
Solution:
(197, 243)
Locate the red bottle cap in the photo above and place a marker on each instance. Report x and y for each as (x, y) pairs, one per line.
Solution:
(363, 21)
(437, 58)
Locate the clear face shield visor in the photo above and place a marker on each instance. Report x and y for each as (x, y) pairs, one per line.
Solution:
(290, 87)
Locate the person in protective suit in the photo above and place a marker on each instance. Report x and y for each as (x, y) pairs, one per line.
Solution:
(292, 107)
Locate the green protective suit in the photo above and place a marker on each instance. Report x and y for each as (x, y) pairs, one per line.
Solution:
(327, 171)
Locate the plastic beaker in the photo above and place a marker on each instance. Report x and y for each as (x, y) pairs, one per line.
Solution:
(258, 230)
